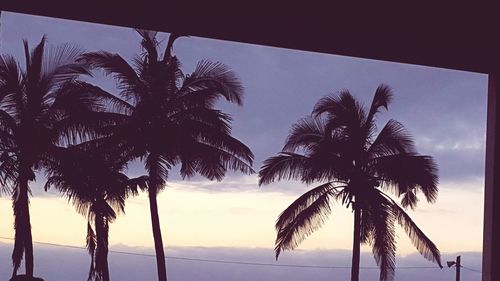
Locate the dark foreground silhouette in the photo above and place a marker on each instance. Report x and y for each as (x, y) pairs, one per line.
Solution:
(167, 118)
(37, 100)
(338, 147)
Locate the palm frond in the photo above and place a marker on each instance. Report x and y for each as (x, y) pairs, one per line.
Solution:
(215, 135)
(59, 56)
(149, 44)
(334, 104)
(345, 117)
(7, 122)
(102, 208)
(78, 96)
(367, 227)
(8, 173)
(88, 128)
(10, 76)
(213, 78)
(81, 111)
(117, 105)
(34, 63)
(139, 182)
(7, 137)
(201, 97)
(285, 165)
(201, 118)
(11, 86)
(382, 98)
(324, 155)
(302, 217)
(327, 161)
(306, 133)
(74, 192)
(409, 199)
(423, 244)
(342, 107)
(129, 83)
(384, 237)
(158, 168)
(213, 161)
(60, 65)
(408, 172)
(92, 182)
(392, 139)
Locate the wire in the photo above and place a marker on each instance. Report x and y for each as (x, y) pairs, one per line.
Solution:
(226, 261)
(471, 269)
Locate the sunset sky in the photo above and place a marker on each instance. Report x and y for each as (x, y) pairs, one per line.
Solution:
(445, 111)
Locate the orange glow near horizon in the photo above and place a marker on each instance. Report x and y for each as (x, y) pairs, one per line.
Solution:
(197, 217)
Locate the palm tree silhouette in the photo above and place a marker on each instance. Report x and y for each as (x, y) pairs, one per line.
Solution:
(338, 147)
(169, 118)
(94, 183)
(35, 116)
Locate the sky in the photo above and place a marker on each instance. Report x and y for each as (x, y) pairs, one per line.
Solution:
(445, 111)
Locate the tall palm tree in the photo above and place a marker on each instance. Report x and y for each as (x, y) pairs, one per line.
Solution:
(96, 186)
(338, 147)
(169, 119)
(34, 117)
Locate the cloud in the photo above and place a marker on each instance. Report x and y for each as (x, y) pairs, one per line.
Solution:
(62, 264)
(458, 159)
(239, 183)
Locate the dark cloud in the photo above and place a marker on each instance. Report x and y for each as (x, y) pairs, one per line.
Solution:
(63, 264)
(460, 165)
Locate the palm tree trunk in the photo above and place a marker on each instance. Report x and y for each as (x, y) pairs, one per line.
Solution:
(23, 239)
(356, 245)
(101, 231)
(154, 182)
(155, 223)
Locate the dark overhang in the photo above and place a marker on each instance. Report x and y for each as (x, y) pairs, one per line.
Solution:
(455, 35)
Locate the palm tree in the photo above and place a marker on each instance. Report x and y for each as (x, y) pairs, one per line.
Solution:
(96, 186)
(338, 147)
(170, 119)
(36, 112)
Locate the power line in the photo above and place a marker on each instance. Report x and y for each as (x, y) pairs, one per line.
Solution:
(195, 259)
(471, 269)
(226, 261)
